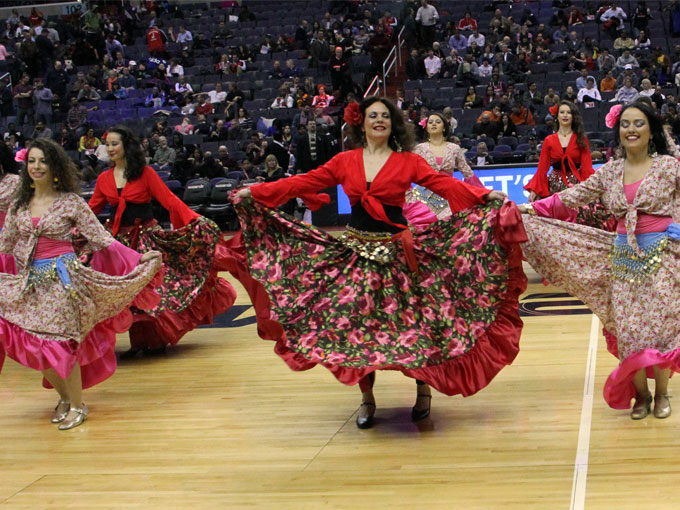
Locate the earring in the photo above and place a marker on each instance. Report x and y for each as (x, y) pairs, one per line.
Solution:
(32, 185)
(56, 180)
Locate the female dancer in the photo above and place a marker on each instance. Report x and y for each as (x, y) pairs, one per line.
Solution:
(191, 293)
(569, 154)
(52, 311)
(630, 279)
(444, 157)
(438, 303)
(9, 182)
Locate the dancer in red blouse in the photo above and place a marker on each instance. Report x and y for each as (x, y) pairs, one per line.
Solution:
(438, 303)
(568, 152)
(191, 294)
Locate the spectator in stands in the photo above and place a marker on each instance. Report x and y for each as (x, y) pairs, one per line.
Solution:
(175, 68)
(482, 157)
(210, 168)
(499, 86)
(427, 17)
(23, 94)
(183, 36)
(312, 150)
(186, 127)
(322, 100)
(164, 155)
(155, 41)
(589, 93)
(42, 100)
(432, 65)
(126, 80)
(378, 47)
(255, 149)
(217, 95)
(612, 19)
(183, 86)
(277, 148)
(626, 59)
(291, 69)
(547, 128)
(76, 118)
(646, 88)
(320, 52)
(242, 123)
(88, 143)
(225, 159)
(467, 22)
(608, 83)
(66, 139)
(521, 115)
(87, 93)
(630, 74)
(533, 97)
(235, 98)
(605, 61)
(283, 100)
(415, 69)
(222, 34)
(458, 41)
(204, 107)
(449, 68)
(561, 35)
(569, 94)
(507, 126)
(485, 69)
(489, 97)
(487, 127)
(201, 42)
(533, 153)
(575, 17)
(626, 94)
(219, 131)
(339, 68)
(41, 130)
(624, 41)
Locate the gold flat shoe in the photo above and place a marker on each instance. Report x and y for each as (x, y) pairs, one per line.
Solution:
(662, 411)
(81, 416)
(641, 407)
(60, 411)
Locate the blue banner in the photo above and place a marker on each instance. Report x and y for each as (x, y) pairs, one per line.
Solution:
(509, 179)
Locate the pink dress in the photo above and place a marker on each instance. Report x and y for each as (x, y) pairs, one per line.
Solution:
(631, 281)
(422, 206)
(8, 186)
(55, 312)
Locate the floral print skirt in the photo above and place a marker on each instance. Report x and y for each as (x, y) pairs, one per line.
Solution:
(642, 314)
(355, 305)
(191, 293)
(593, 215)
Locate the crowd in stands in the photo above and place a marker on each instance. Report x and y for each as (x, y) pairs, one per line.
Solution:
(501, 68)
(214, 90)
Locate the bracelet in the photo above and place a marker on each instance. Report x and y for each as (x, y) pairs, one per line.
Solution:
(529, 209)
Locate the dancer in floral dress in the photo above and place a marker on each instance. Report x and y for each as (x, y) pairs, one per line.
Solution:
(444, 157)
(631, 278)
(568, 152)
(9, 183)
(57, 315)
(438, 303)
(192, 293)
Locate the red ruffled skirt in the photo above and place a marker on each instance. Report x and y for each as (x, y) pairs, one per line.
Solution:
(453, 324)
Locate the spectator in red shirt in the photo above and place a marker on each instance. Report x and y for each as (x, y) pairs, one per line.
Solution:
(467, 22)
(155, 41)
(204, 107)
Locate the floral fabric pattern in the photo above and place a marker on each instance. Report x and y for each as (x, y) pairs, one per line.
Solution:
(593, 214)
(340, 308)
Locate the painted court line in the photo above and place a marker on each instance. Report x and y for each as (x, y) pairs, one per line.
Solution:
(578, 490)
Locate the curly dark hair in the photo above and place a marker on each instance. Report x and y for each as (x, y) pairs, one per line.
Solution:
(63, 169)
(134, 154)
(402, 136)
(447, 126)
(576, 122)
(656, 132)
(7, 163)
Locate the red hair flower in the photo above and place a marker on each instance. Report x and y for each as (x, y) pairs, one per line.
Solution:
(353, 115)
(553, 110)
(21, 155)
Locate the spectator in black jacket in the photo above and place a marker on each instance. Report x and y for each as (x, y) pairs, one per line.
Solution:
(312, 150)
(415, 69)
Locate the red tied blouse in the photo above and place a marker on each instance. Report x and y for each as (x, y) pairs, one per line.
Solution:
(552, 152)
(139, 191)
(388, 186)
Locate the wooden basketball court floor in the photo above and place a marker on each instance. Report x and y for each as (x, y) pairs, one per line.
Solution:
(220, 422)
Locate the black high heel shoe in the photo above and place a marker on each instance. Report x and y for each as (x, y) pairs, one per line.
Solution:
(368, 421)
(421, 414)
